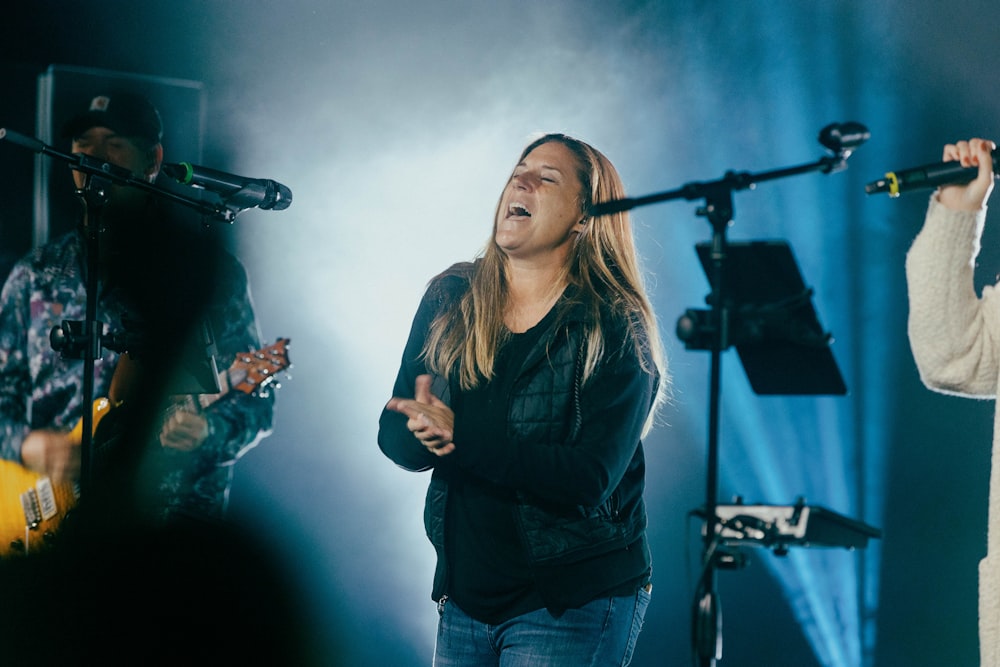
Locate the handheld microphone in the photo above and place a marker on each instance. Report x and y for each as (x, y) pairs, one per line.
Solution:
(237, 190)
(927, 176)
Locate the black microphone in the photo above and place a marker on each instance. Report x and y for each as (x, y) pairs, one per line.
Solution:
(927, 176)
(839, 137)
(611, 207)
(237, 190)
(21, 140)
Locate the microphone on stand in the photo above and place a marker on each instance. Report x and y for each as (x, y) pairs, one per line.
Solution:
(841, 137)
(248, 192)
(611, 207)
(927, 176)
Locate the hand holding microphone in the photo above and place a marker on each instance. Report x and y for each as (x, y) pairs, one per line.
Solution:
(964, 162)
(972, 154)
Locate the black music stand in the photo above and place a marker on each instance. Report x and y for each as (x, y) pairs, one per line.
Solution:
(764, 309)
(771, 321)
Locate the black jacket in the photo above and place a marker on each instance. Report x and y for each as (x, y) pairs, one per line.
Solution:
(572, 452)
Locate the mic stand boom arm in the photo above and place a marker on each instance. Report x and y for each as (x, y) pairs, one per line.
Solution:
(118, 176)
(732, 181)
(840, 139)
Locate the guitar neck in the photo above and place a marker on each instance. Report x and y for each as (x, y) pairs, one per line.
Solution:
(249, 373)
(205, 400)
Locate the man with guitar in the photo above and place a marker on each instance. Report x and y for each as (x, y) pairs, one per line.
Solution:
(161, 284)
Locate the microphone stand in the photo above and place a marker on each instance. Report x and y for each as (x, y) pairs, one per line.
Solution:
(840, 139)
(224, 210)
(83, 340)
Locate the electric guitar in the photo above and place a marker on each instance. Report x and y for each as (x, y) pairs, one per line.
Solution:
(32, 507)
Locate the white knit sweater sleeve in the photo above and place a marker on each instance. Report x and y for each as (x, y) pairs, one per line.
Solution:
(954, 334)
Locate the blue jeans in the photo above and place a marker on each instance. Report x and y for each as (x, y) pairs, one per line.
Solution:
(598, 634)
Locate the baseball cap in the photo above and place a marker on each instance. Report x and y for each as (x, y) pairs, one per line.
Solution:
(126, 113)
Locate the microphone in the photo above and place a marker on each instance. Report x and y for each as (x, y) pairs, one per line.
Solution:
(247, 192)
(21, 140)
(840, 137)
(927, 176)
(611, 207)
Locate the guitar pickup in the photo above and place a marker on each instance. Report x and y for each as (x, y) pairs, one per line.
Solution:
(39, 503)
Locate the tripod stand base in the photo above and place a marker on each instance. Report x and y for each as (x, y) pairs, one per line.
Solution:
(707, 630)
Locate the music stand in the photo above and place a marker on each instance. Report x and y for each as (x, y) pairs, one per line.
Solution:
(772, 321)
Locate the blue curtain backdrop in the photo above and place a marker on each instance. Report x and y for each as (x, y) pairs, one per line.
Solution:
(395, 125)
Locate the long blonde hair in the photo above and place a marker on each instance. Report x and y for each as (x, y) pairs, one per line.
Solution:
(603, 265)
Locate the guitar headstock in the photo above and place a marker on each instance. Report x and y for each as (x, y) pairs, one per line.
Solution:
(252, 371)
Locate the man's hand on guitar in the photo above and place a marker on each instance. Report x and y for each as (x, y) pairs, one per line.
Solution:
(184, 431)
(52, 453)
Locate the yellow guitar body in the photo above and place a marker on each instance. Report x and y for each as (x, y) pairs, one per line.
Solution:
(32, 507)
(101, 407)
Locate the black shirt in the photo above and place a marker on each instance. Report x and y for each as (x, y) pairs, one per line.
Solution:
(490, 576)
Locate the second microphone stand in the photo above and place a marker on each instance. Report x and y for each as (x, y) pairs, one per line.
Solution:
(83, 340)
(840, 139)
